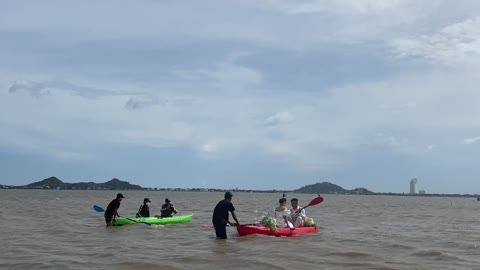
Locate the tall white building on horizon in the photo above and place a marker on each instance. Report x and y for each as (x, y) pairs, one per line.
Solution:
(413, 186)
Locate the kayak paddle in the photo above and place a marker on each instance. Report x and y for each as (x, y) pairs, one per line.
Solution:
(100, 209)
(315, 201)
(146, 223)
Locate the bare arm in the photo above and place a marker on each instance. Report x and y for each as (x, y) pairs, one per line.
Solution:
(285, 218)
(235, 218)
(115, 212)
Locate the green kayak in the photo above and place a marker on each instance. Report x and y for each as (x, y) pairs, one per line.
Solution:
(153, 220)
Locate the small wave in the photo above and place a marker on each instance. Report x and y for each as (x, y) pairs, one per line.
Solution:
(437, 255)
(400, 246)
(143, 265)
(360, 265)
(427, 253)
(350, 254)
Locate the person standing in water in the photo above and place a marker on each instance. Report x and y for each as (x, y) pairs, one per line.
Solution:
(111, 213)
(221, 215)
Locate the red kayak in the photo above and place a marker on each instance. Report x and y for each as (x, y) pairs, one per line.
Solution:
(254, 229)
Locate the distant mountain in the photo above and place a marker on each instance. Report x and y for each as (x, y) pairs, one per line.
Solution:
(119, 184)
(362, 191)
(55, 183)
(329, 188)
(51, 182)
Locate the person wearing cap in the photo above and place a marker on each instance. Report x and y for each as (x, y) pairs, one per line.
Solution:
(167, 209)
(221, 215)
(111, 213)
(144, 210)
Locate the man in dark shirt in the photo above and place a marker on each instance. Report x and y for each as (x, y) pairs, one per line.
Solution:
(112, 210)
(167, 209)
(220, 216)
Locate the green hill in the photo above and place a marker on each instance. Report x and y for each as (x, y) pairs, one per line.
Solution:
(118, 184)
(329, 188)
(55, 183)
(362, 191)
(51, 182)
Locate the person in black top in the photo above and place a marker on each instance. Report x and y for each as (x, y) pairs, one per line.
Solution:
(112, 210)
(167, 209)
(220, 216)
(144, 210)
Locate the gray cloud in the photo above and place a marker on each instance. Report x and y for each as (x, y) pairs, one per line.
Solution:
(279, 118)
(38, 89)
(35, 89)
(318, 82)
(141, 102)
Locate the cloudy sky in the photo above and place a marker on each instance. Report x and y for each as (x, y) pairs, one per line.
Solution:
(249, 94)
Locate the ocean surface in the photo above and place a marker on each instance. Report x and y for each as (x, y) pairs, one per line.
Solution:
(60, 230)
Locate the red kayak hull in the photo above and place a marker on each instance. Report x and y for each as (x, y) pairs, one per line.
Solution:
(253, 229)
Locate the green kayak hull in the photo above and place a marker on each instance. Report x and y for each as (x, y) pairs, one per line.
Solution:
(153, 220)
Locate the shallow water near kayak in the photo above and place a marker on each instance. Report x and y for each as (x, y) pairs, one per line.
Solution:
(60, 230)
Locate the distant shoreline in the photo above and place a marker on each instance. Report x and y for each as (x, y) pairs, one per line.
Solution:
(6, 187)
(324, 188)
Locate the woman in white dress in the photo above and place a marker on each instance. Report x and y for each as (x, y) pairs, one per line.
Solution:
(282, 213)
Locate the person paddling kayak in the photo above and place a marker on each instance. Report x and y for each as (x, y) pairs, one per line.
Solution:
(111, 213)
(221, 215)
(167, 209)
(144, 210)
(297, 216)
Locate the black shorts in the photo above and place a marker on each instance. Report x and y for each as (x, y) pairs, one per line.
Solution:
(108, 218)
(220, 231)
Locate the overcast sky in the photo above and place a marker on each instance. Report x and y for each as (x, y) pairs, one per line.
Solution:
(249, 94)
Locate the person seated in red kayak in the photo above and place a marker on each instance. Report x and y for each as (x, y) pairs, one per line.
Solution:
(144, 210)
(297, 214)
(282, 213)
(167, 209)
